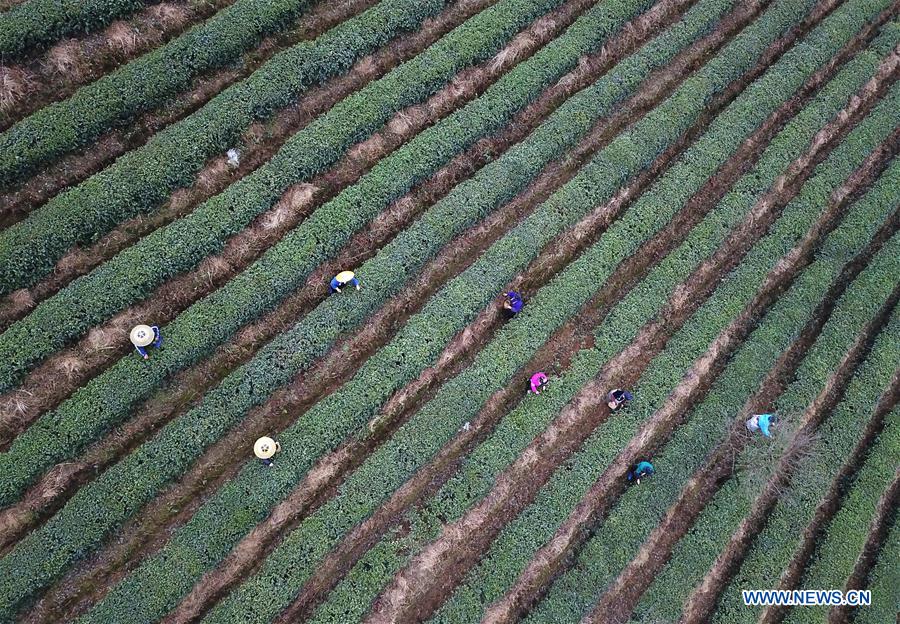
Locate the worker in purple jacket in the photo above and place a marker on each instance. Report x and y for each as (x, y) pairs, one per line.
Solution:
(513, 303)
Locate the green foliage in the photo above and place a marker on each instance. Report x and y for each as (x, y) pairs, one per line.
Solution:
(99, 405)
(133, 481)
(843, 539)
(640, 509)
(697, 550)
(181, 245)
(36, 24)
(884, 579)
(138, 181)
(141, 85)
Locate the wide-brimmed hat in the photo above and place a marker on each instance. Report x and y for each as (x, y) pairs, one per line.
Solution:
(345, 276)
(141, 335)
(265, 447)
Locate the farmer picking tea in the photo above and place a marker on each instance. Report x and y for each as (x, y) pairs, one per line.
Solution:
(342, 279)
(143, 336)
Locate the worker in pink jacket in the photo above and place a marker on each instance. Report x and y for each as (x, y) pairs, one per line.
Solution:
(538, 382)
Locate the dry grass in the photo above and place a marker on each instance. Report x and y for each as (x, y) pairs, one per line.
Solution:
(15, 85)
(211, 176)
(100, 339)
(169, 16)
(70, 365)
(65, 59)
(22, 299)
(121, 39)
(212, 268)
(16, 407)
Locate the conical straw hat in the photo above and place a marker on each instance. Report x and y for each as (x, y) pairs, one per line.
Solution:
(141, 335)
(345, 276)
(265, 447)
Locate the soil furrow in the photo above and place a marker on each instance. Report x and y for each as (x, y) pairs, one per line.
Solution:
(61, 481)
(74, 168)
(699, 605)
(619, 600)
(428, 579)
(73, 62)
(103, 345)
(881, 525)
(830, 504)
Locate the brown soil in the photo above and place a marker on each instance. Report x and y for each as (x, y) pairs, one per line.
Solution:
(831, 502)
(73, 62)
(430, 577)
(77, 364)
(620, 598)
(702, 601)
(71, 169)
(881, 524)
(531, 584)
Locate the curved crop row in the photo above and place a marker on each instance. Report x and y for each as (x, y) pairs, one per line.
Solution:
(39, 23)
(383, 561)
(276, 364)
(94, 408)
(184, 243)
(842, 542)
(336, 410)
(417, 439)
(884, 580)
(638, 509)
(139, 180)
(696, 551)
(141, 85)
(508, 555)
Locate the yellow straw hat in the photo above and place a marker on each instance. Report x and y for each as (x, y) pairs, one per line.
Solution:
(265, 447)
(345, 276)
(141, 335)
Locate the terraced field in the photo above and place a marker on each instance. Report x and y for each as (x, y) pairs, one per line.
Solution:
(698, 201)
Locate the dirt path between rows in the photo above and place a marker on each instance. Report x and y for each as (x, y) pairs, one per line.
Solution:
(620, 598)
(831, 502)
(884, 517)
(61, 374)
(71, 169)
(702, 601)
(549, 563)
(432, 575)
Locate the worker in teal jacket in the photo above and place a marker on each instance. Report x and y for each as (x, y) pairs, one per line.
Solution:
(642, 470)
(761, 422)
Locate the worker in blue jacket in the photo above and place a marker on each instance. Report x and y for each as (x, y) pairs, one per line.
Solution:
(342, 279)
(642, 470)
(143, 336)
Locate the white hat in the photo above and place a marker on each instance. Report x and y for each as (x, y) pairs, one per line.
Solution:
(142, 335)
(345, 276)
(265, 447)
